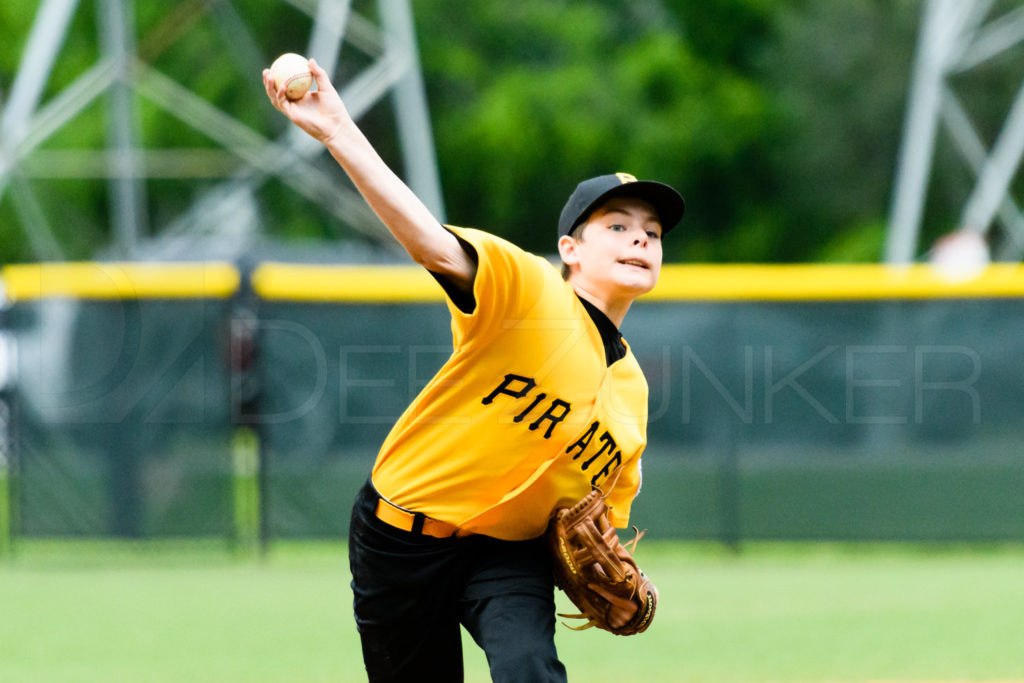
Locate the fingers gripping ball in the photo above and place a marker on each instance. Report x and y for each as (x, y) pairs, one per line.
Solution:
(292, 71)
(595, 570)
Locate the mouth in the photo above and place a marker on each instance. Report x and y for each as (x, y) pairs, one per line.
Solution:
(636, 263)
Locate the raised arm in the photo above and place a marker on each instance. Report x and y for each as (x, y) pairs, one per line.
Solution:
(323, 116)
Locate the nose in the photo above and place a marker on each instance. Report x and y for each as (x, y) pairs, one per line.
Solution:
(641, 239)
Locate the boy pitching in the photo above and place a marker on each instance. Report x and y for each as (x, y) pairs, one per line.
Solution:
(540, 401)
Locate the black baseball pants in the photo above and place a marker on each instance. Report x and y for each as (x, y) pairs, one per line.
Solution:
(411, 592)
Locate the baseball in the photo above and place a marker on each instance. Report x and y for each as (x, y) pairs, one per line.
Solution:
(292, 71)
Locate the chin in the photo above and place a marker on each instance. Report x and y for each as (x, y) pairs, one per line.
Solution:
(637, 286)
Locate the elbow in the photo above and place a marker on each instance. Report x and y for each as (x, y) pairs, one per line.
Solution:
(435, 262)
(442, 255)
(423, 257)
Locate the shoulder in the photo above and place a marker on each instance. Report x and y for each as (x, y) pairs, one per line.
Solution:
(510, 284)
(502, 257)
(481, 239)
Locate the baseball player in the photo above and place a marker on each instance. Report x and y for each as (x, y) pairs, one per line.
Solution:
(540, 401)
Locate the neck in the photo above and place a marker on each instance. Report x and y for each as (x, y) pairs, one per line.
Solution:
(615, 309)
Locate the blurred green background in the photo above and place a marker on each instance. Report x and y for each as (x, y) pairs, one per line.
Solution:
(779, 120)
(159, 535)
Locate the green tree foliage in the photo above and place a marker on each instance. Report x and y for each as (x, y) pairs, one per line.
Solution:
(779, 120)
(531, 98)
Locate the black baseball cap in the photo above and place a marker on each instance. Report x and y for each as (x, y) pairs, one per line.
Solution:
(589, 194)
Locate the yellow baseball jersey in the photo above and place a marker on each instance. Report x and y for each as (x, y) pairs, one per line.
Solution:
(525, 416)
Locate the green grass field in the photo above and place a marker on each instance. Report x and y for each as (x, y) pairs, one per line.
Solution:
(189, 612)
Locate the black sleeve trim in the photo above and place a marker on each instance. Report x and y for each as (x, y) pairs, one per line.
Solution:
(464, 300)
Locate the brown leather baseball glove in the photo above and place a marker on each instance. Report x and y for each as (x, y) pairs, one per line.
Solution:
(596, 570)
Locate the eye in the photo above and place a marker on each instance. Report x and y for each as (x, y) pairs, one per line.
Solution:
(617, 227)
(653, 235)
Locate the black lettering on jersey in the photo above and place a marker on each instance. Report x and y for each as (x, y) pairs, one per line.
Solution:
(506, 388)
(551, 416)
(518, 387)
(584, 440)
(608, 444)
(520, 416)
(608, 467)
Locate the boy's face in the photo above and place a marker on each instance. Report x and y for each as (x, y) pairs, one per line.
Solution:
(620, 249)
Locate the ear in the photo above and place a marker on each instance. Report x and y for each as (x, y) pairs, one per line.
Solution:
(568, 250)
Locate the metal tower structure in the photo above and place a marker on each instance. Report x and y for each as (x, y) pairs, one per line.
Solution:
(244, 158)
(955, 37)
